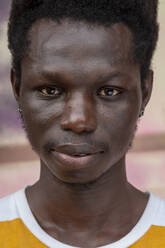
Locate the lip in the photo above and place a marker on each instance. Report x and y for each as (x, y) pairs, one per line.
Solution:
(74, 162)
(76, 149)
(65, 155)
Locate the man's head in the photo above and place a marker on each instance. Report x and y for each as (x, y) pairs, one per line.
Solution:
(78, 68)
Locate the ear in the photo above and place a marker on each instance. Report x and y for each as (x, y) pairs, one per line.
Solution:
(15, 84)
(147, 89)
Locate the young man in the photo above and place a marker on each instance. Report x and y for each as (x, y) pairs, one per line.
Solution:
(81, 76)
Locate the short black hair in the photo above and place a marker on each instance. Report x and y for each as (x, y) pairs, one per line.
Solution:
(139, 15)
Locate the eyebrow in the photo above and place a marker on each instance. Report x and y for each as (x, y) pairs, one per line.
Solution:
(112, 75)
(52, 75)
(115, 75)
(59, 78)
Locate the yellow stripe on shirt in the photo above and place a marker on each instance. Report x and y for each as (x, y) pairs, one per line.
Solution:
(14, 234)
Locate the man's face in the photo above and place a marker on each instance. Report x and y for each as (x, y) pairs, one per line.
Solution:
(80, 94)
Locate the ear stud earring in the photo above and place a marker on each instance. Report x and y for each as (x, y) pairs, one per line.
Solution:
(141, 113)
(19, 110)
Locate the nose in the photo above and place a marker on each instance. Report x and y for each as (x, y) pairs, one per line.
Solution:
(79, 114)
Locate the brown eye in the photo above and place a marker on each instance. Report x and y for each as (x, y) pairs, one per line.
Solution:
(106, 91)
(51, 91)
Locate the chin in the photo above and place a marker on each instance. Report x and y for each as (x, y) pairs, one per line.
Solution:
(78, 178)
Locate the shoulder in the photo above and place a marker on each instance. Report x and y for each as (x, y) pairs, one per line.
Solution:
(159, 213)
(8, 210)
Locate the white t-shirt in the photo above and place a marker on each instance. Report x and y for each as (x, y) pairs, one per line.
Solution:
(19, 228)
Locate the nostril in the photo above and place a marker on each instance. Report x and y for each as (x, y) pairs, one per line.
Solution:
(78, 126)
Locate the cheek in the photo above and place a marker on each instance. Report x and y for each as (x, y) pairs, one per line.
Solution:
(119, 123)
(41, 111)
(39, 115)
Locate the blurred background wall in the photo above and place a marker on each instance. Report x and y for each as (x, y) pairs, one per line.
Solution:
(19, 166)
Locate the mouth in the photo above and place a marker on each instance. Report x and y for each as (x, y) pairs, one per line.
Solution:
(82, 154)
(73, 158)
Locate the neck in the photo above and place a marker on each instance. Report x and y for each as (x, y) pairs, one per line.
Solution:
(82, 198)
(83, 207)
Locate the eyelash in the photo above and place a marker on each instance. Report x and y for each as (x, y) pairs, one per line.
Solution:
(50, 87)
(119, 91)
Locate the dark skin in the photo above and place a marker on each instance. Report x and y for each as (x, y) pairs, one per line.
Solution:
(96, 101)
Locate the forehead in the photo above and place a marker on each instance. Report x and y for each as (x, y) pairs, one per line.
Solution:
(79, 41)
